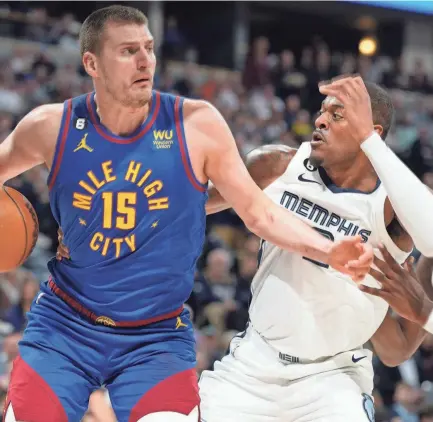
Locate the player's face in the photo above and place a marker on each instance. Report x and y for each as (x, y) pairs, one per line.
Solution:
(127, 63)
(329, 144)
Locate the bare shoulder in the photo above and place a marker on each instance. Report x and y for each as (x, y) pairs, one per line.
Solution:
(268, 162)
(272, 154)
(207, 135)
(32, 142)
(45, 117)
(202, 114)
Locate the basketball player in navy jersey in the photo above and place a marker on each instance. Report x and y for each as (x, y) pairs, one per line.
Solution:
(129, 169)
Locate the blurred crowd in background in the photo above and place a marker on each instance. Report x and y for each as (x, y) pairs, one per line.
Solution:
(272, 100)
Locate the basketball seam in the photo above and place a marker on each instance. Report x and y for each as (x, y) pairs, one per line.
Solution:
(25, 227)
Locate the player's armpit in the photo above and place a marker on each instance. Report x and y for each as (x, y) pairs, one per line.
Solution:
(397, 339)
(31, 143)
(265, 164)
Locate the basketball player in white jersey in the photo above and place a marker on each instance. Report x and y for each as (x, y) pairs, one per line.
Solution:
(303, 357)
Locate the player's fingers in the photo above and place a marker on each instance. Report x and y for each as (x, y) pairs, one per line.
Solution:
(389, 259)
(63, 251)
(367, 254)
(365, 258)
(380, 277)
(409, 266)
(371, 290)
(330, 91)
(358, 278)
(58, 256)
(385, 268)
(348, 87)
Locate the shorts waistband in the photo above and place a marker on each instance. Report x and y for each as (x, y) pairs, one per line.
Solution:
(284, 358)
(104, 320)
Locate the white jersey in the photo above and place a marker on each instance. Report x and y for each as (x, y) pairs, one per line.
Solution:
(303, 308)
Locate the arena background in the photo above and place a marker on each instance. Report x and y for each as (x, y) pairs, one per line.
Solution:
(259, 63)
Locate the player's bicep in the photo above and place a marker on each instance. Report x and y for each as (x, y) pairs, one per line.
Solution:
(226, 169)
(21, 150)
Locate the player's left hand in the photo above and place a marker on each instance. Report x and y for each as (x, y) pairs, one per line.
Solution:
(352, 257)
(62, 250)
(352, 93)
(400, 288)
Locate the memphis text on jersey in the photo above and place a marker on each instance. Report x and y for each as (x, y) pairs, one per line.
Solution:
(119, 208)
(321, 216)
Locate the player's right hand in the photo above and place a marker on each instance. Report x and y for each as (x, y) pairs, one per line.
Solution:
(400, 287)
(62, 250)
(352, 257)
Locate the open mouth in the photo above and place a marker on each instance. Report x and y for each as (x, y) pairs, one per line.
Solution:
(317, 138)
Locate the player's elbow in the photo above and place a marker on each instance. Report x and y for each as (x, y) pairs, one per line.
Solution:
(258, 221)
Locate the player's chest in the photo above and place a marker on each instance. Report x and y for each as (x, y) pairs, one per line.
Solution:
(333, 215)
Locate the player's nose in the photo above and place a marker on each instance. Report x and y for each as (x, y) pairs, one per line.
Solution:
(321, 122)
(143, 58)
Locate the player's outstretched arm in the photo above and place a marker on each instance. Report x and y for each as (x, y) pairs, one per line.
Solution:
(265, 164)
(411, 200)
(206, 130)
(397, 339)
(31, 142)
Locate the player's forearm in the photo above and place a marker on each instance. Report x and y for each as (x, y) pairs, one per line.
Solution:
(396, 340)
(215, 203)
(276, 225)
(410, 198)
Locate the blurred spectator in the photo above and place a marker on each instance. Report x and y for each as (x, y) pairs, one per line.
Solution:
(408, 401)
(16, 315)
(174, 46)
(257, 68)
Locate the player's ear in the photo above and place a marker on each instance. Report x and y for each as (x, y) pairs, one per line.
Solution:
(378, 129)
(89, 63)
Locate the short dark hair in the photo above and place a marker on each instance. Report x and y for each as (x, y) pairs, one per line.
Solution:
(93, 27)
(382, 107)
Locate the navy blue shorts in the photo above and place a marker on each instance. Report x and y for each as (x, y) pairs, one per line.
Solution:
(63, 358)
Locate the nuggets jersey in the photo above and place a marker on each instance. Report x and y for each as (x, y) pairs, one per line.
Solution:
(131, 209)
(304, 308)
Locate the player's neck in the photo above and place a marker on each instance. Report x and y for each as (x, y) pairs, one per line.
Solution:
(358, 175)
(118, 119)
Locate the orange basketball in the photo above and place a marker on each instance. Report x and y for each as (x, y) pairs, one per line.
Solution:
(19, 228)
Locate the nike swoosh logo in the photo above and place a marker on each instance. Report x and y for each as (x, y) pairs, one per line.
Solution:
(356, 360)
(301, 178)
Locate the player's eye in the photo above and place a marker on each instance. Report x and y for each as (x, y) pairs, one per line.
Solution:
(149, 48)
(337, 116)
(129, 51)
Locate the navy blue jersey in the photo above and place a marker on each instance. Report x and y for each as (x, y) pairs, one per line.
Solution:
(131, 209)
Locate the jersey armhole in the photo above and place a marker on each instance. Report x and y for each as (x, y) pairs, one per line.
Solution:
(399, 255)
(60, 143)
(178, 118)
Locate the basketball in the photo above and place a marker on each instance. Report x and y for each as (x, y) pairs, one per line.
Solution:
(19, 228)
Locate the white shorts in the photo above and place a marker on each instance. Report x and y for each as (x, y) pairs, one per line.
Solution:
(254, 383)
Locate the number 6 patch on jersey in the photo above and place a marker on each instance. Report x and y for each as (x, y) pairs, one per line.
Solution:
(368, 407)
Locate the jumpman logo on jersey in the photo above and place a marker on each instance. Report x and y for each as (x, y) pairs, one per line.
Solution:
(179, 323)
(83, 144)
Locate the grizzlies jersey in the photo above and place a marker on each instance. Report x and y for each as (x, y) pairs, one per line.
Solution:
(302, 307)
(132, 212)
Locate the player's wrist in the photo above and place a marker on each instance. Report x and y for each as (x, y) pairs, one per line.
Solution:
(371, 141)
